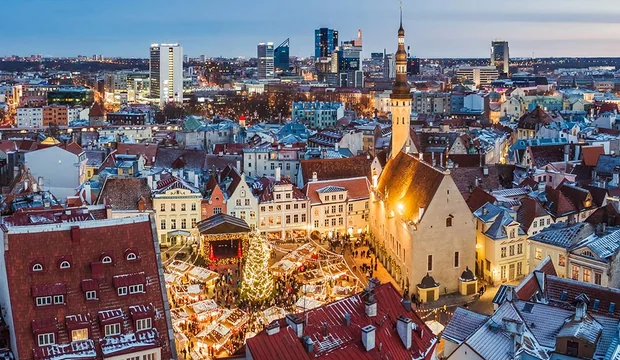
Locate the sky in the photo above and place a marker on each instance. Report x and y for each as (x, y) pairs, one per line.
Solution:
(439, 28)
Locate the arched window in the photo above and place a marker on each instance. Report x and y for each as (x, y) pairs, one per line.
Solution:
(449, 221)
(131, 256)
(106, 260)
(37, 267)
(65, 265)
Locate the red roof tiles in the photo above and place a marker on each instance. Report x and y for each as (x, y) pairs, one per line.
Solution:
(357, 188)
(332, 339)
(591, 153)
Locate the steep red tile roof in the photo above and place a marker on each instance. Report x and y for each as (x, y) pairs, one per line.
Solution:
(607, 214)
(357, 188)
(590, 154)
(96, 110)
(332, 169)
(499, 177)
(533, 282)
(478, 198)
(125, 193)
(535, 117)
(529, 210)
(555, 285)
(345, 341)
(411, 182)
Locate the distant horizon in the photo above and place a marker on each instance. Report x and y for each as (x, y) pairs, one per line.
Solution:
(448, 29)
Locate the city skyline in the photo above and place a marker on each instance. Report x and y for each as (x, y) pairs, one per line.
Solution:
(446, 29)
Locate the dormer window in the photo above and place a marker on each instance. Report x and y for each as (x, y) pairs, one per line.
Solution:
(65, 265)
(106, 260)
(131, 256)
(37, 267)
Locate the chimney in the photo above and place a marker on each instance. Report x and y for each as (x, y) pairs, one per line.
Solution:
(542, 186)
(566, 152)
(336, 146)
(296, 324)
(157, 177)
(75, 234)
(273, 328)
(485, 170)
(403, 328)
(40, 181)
(196, 180)
(370, 306)
(87, 192)
(347, 319)
(239, 165)
(407, 304)
(440, 159)
(278, 174)
(149, 181)
(314, 176)
(581, 307)
(616, 176)
(368, 337)
(308, 344)
(26, 183)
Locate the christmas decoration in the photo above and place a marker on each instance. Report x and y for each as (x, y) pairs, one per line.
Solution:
(257, 284)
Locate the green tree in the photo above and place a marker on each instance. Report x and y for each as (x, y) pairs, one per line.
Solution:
(257, 282)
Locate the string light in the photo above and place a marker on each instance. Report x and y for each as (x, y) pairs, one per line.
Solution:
(257, 284)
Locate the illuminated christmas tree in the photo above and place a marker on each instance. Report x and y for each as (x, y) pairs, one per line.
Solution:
(257, 283)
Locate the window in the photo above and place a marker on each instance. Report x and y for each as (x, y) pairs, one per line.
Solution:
(561, 260)
(183, 207)
(131, 256)
(173, 207)
(193, 222)
(303, 206)
(512, 232)
(333, 197)
(183, 224)
(162, 224)
(597, 278)
(278, 196)
(46, 339)
(91, 295)
(429, 264)
(44, 300)
(217, 210)
(535, 223)
(65, 265)
(162, 207)
(143, 324)
(334, 222)
(350, 207)
(333, 209)
(538, 254)
(456, 259)
(135, 289)
(548, 221)
(173, 224)
(519, 268)
(113, 329)
(449, 221)
(288, 195)
(327, 210)
(488, 263)
(503, 271)
(512, 250)
(303, 218)
(106, 260)
(326, 222)
(288, 207)
(193, 207)
(586, 275)
(519, 249)
(288, 219)
(247, 202)
(59, 299)
(80, 334)
(575, 274)
(503, 252)
(340, 221)
(295, 218)
(122, 291)
(37, 267)
(316, 224)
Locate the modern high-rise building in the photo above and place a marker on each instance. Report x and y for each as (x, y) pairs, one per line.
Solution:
(325, 41)
(265, 61)
(166, 68)
(400, 99)
(481, 76)
(282, 56)
(500, 56)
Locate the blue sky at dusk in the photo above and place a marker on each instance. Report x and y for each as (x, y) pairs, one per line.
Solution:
(444, 28)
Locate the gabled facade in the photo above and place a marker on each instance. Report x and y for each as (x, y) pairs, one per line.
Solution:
(339, 206)
(501, 245)
(241, 201)
(177, 206)
(62, 170)
(75, 287)
(420, 224)
(215, 200)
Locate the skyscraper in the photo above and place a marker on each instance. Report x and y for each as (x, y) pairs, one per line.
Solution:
(166, 67)
(500, 56)
(400, 99)
(281, 56)
(325, 40)
(265, 61)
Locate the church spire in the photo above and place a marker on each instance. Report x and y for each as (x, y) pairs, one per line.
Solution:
(401, 87)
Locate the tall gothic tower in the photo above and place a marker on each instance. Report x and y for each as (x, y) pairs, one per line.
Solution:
(400, 100)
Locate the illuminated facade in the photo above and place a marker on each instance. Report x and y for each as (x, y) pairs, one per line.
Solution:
(166, 68)
(400, 103)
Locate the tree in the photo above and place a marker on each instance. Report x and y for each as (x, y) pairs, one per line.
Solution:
(257, 281)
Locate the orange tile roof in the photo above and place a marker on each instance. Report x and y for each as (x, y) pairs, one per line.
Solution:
(591, 154)
(357, 188)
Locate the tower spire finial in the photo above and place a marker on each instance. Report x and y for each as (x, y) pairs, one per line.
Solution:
(401, 13)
